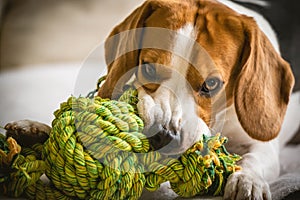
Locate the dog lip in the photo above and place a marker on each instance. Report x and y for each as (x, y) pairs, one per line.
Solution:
(164, 140)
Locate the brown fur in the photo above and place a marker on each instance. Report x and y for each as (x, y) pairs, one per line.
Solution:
(263, 86)
(150, 14)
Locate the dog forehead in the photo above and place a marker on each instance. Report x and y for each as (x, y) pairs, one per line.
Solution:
(171, 14)
(199, 34)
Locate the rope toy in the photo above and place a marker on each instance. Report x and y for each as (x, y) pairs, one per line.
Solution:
(96, 150)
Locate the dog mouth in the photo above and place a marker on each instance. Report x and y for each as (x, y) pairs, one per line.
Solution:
(163, 140)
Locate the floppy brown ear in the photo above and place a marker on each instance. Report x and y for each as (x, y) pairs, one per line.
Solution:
(121, 51)
(263, 85)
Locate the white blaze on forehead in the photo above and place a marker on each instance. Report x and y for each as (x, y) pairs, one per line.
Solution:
(182, 51)
(183, 45)
(172, 105)
(180, 63)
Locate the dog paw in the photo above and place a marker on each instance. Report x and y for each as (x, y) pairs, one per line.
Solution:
(27, 132)
(246, 185)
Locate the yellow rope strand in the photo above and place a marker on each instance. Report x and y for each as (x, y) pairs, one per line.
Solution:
(96, 150)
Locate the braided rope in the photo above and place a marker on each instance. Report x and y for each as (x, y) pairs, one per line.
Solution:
(96, 150)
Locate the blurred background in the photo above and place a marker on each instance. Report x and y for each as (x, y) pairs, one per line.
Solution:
(35, 32)
(44, 46)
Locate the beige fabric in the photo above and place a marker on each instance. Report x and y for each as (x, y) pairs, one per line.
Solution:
(48, 31)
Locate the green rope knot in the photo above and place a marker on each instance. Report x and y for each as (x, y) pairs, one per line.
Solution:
(202, 169)
(96, 150)
(89, 149)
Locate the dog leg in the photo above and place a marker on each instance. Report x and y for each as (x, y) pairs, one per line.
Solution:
(290, 130)
(260, 165)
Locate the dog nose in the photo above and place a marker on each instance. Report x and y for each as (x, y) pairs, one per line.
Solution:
(161, 137)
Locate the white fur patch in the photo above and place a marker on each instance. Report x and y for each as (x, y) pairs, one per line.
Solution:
(291, 120)
(172, 105)
(183, 46)
(257, 2)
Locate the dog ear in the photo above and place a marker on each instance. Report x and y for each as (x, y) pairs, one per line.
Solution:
(263, 85)
(122, 49)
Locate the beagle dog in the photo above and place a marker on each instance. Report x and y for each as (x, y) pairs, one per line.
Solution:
(202, 67)
(207, 66)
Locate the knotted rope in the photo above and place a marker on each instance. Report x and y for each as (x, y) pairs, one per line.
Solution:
(96, 150)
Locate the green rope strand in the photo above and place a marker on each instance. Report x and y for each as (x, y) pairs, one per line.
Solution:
(96, 150)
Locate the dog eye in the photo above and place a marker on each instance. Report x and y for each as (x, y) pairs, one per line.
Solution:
(211, 86)
(149, 71)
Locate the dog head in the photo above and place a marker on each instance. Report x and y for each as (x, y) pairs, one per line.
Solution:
(192, 59)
